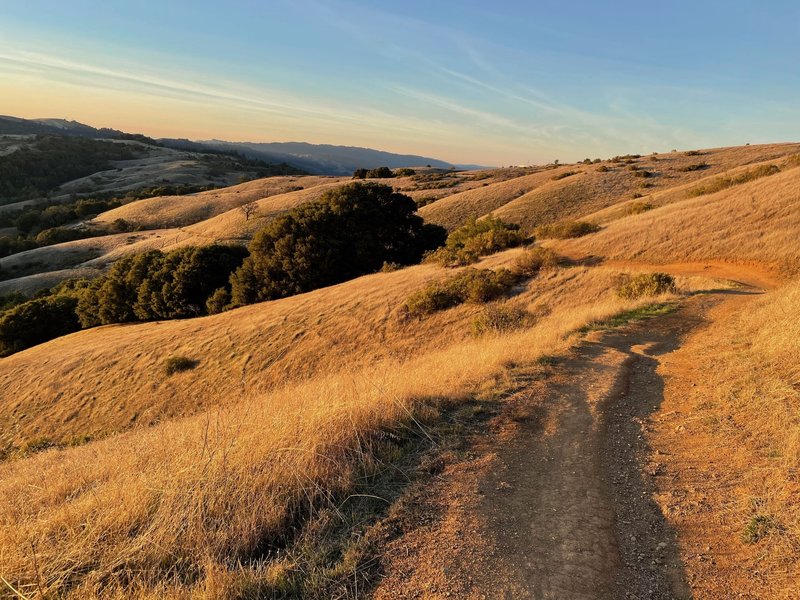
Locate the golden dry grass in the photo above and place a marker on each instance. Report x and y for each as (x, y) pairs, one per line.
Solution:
(756, 222)
(169, 510)
(178, 211)
(580, 195)
(675, 193)
(456, 209)
(748, 406)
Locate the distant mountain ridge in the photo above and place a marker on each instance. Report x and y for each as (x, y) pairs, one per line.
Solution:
(317, 159)
(18, 126)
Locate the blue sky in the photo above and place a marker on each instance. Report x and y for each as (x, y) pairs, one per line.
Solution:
(462, 81)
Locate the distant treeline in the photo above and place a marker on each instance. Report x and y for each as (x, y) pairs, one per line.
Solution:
(382, 173)
(351, 231)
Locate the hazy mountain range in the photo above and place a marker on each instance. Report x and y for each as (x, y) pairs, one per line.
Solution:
(317, 159)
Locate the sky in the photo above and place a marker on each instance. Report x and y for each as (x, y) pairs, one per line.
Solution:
(468, 82)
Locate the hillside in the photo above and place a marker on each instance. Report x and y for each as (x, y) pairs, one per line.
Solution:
(336, 444)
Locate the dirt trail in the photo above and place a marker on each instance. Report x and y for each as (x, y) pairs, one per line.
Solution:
(560, 505)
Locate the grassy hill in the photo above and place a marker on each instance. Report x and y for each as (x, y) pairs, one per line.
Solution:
(265, 468)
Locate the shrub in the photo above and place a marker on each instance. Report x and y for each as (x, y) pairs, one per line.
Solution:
(637, 208)
(121, 225)
(351, 231)
(390, 267)
(477, 238)
(534, 260)
(470, 285)
(603, 169)
(564, 175)
(692, 153)
(758, 527)
(499, 317)
(404, 172)
(645, 284)
(566, 229)
(642, 173)
(694, 167)
(177, 364)
(379, 173)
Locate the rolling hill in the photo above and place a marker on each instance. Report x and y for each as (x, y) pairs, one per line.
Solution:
(334, 443)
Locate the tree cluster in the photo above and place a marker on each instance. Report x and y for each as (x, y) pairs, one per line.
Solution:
(350, 231)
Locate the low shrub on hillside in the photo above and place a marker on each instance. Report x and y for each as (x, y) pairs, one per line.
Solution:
(637, 208)
(645, 284)
(534, 260)
(470, 285)
(566, 229)
(724, 182)
(177, 364)
(642, 173)
(603, 169)
(477, 238)
(694, 167)
(499, 317)
(404, 172)
(564, 175)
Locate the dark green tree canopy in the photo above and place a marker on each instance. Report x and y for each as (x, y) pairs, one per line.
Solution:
(350, 231)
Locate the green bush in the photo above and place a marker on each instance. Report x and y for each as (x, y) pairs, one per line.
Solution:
(566, 229)
(534, 260)
(645, 284)
(500, 317)
(470, 285)
(404, 172)
(351, 231)
(177, 364)
(477, 238)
